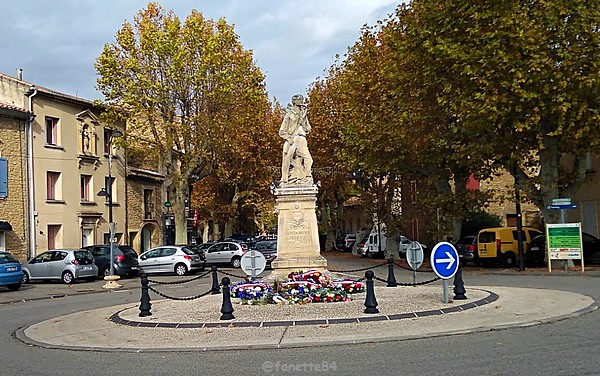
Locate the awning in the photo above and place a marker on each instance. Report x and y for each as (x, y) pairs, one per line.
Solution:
(5, 226)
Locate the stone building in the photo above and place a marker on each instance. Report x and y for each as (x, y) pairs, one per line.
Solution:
(71, 163)
(144, 208)
(13, 185)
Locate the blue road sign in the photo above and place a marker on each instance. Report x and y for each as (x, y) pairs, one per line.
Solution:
(444, 260)
(565, 206)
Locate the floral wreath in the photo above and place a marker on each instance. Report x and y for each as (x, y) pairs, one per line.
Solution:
(300, 288)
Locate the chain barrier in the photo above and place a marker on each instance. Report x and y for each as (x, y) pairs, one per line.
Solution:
(413, 270)
(177, 298)
(232, 275)
(408, 284)
(358, 270)
(179, 282)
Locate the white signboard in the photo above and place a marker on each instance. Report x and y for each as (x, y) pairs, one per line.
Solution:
(414, 255)
(253, 263)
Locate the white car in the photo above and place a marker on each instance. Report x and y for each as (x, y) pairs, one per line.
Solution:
(178, 259)
(226, 252)
(405, 243)
(62, 264)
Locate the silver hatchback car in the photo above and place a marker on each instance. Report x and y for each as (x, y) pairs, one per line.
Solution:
(62, 264)
(178, 259)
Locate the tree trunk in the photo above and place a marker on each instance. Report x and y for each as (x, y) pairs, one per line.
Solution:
(179, 192)
(549, 164)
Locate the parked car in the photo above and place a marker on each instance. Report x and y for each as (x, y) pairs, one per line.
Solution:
(269, 249)
(376, 244)
(466, 247)
(499, 244)
(346, 242)
(226, 252)
(362, 248)
(200, 251)
(125, 259)
(11, 275)
(249, 240)
(62, 264)
(178, 259)
(536, 252)
(405, 244)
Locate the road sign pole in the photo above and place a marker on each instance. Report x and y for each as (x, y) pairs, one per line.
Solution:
(445, 286)
(445, 263)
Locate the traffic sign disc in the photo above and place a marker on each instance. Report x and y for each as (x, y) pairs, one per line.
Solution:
(444, 260)
(414, 255)
(253, 263)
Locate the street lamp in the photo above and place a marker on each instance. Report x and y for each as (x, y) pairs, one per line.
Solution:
(111, 279)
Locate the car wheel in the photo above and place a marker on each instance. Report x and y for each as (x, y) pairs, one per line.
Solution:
(509, 259)
(236, 262)
(181, 269)
(367, 254)
(25, 277)
(106, 271)
(14, 287)
(67, 278)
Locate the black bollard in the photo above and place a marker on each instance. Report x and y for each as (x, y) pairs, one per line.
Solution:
(370, 300)
(145, 304)
(215, 281)
(226, 308)
(391, 279)
(459, 286)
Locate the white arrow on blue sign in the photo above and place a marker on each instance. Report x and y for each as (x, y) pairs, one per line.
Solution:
(444, 260)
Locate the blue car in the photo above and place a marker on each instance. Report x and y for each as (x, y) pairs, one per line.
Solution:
(11, 275)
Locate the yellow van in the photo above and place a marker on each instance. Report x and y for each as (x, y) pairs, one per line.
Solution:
(500, 244)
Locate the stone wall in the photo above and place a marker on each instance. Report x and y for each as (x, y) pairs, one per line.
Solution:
(13, 208)
(504, 203)
(136, 211)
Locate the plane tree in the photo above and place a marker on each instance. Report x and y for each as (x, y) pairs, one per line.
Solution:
(183, 87)
(518, 79)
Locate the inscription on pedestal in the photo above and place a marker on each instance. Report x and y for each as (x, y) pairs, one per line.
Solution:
(298, 238)
(298, 232)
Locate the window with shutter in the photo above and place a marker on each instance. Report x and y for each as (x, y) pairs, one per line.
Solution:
(3, 177)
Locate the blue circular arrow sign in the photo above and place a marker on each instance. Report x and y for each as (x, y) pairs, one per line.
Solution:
(444, 260)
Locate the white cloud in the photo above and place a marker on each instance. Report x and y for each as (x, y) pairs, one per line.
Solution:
(57, 42)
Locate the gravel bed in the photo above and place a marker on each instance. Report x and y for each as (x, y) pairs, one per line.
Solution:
(390, 301)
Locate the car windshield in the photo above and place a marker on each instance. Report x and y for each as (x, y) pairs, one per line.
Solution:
(128, 251)
(5, 258)
(468, 240)
(187, 251)
(84, 257)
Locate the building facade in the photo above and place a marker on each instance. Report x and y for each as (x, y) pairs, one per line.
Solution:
(13, 185)
(76, 176)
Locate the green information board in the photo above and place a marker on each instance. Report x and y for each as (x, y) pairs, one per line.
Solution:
(564, 241)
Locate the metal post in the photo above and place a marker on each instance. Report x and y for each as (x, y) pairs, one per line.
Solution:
(215, 281)
(520, 239)
(459, 285)
(145, 304)
(111, 279)
(445, 287)
(391, 279)
(226, 307)
(370, 300)
(111, 223)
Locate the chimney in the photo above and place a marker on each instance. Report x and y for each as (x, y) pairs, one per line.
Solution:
(20, 74)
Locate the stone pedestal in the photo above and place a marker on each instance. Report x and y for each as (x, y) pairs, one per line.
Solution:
(298, 246)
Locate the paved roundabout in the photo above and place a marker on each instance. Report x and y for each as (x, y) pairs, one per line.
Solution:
(404, 313)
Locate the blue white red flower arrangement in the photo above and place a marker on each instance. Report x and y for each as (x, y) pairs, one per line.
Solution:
(300, 288)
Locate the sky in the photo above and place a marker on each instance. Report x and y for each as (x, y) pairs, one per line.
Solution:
(56, 42)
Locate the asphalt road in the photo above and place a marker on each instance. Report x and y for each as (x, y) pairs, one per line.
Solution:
(568, 347)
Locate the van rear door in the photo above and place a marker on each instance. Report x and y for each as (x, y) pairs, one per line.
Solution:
(486, 244)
